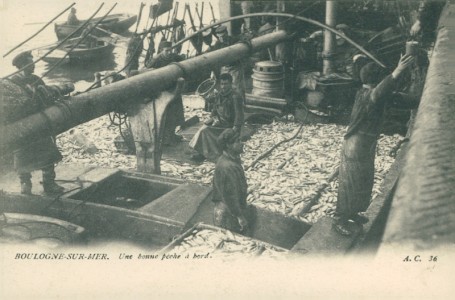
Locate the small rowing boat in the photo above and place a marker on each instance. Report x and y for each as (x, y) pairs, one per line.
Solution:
(96, 48)
(116, 23)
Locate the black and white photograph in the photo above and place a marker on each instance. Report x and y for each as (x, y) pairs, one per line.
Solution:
(227, 149)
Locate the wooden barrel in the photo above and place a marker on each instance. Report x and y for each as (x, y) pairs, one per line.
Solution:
(268, 79)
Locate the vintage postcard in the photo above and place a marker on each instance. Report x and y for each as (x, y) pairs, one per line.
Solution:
(226, 149)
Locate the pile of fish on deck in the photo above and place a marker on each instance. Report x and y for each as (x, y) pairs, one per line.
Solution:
(282, 182)
(223, 244)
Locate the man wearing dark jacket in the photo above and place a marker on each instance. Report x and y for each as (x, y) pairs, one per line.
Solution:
(41, 153)
(229, 184)
(165, 57)
(227, 112)
(356, 172)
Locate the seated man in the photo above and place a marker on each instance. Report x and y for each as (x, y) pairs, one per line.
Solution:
(72, 18)
(227, 112)
(229, 184)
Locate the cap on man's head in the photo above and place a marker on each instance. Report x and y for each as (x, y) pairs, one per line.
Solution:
(226, 76)
(221, 29)
(227, 137)
(166, 44)
(22, 59)
(342, 27)
(73, 9)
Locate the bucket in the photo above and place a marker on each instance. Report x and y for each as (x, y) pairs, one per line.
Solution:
(412, 47)
(268, 79)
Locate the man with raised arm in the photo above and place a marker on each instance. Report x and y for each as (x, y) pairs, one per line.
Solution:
(356, 171)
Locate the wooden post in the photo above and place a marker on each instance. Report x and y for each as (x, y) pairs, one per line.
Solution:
(329, 37)
(147, 126)
(225, 12)
(280, 49)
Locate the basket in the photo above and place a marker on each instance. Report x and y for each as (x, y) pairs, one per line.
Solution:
(206, 87)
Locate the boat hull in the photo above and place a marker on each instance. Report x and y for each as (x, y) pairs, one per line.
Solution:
(118, 23)
(82, 53)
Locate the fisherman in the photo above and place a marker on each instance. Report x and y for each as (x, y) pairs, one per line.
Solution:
(90, 40)
(356, 171)
(175, 116)
(427, 20)
(150, 48)
(229, 184)
(165, 57)
(72, 19)
(235, 69)
(41, 153)
(247, 8)
(227, 112)
(133, 52)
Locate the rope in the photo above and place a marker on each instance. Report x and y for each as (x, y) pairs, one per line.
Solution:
(180, 66)
(59, 44)
(292, 17)
(79, 42)
(42, 28)
(129, 62)
(268, 152)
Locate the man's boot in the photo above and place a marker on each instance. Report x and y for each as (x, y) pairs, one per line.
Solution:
(49, 185)
(26, 183)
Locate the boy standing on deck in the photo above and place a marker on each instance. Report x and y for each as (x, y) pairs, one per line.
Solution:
(229, 184)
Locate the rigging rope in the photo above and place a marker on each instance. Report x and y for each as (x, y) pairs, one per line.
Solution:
(42, 28)
(82, 38)
(61, 43)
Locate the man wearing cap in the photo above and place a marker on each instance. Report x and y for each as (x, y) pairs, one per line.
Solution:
(41, 153)
(356, 171)
(235, 69)
(72, 19)
(175, 116)
(227, 112)
(165, 57)
(229, 184)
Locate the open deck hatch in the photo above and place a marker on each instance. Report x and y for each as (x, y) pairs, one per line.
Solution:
(125, 190)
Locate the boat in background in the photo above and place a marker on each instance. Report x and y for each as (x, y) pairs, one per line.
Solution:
(116, 23)
(84, 52)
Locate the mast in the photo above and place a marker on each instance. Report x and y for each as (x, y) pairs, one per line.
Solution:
(329, 37)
